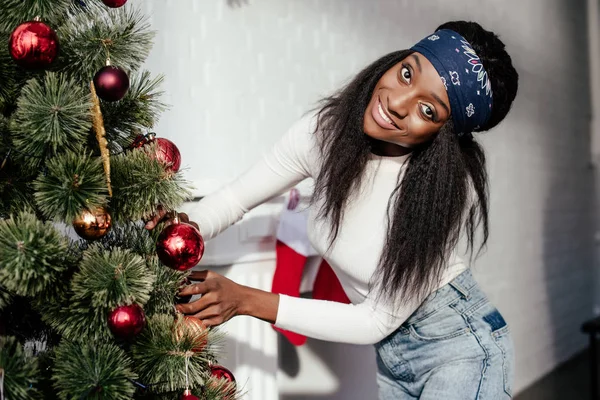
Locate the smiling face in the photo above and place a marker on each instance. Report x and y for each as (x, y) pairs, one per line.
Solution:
(409, 104)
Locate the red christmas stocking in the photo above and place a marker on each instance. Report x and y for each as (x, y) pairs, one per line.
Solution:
(287, 280)
(327, 286)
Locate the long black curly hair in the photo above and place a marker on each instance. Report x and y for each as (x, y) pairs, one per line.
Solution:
(444, 188)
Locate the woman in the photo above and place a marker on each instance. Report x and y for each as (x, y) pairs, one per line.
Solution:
(398, 176)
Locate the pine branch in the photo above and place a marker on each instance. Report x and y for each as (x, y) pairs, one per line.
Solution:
(32, 254)
(160, 357)
(5, 297)
(131, 235)
(22, 320)
(89, 39)
(87, 370)
(221, 389)
(168, 282)
(72, 183)
(81, 311)
(52, 117)
(139, 109)
(73, 319)
(9, 74)
(112, 278)
(15, 12)
(20, 371)
(140, 182)
(16, 191)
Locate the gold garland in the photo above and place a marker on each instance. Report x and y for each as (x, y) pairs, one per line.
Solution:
(98, 125)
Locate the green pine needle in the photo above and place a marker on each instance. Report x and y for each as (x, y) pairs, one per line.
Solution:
(76, 319)
(8, 75)
(14, 12)
(91, 370)
(32, 254)
(20, 371)
(16, 192)
(140, 182)
(72, 183)
(139, 109)
(89, 39)
(168, 282)
(221, 389)
(5, 297)
(160, 357)
(112, 278)
(131, 235)
(52, 117)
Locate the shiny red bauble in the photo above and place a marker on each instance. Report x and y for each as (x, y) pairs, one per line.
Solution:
(168, 154)
(187, 395)
(125, 322)
(114, 3)
(220, 372)
(111, 83)
(33, 45)
(180, 246)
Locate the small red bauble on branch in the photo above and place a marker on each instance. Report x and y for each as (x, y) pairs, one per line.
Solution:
(33, 45)
(125, 322)
(114, 3)
(180, 246)
(166, 151)
(168, 154)
(220, 372)
(111, 83)
(187, 395)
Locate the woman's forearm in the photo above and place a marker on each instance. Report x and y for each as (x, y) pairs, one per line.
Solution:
(260, 304)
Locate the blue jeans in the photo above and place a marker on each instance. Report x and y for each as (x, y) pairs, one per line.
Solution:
(455, 346)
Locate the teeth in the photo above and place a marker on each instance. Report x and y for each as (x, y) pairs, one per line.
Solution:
(385, 117)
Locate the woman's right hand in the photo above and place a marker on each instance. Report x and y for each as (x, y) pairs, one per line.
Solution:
(163, 215)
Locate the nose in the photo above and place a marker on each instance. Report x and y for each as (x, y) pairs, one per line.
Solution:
(398, 103)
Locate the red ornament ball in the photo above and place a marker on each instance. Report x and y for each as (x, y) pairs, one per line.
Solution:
(168, 154)
(114, 3)
(187, 395)
(125, 322)
(33, 45)
(180, 246)
(112, 83)
(220, 372)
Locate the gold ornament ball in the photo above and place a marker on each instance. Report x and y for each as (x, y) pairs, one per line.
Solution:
(92, 224)
(192, 329)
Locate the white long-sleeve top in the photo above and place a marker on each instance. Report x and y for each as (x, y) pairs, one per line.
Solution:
(354, 255)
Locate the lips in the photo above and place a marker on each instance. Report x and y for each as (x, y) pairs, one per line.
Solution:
(381, 117)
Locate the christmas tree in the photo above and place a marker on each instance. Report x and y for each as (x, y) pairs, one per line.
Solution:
(86, 293)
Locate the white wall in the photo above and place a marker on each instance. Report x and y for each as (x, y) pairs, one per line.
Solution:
(239, 73)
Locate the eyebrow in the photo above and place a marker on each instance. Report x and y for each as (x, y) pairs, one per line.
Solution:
(439, 100)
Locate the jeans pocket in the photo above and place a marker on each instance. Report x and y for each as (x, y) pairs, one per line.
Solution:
(446, 323)
(389, 358)
(503, 340)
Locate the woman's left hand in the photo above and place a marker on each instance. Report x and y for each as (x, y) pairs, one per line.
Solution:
(221, 298)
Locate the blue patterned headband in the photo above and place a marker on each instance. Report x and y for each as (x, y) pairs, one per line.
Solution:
(463, 75)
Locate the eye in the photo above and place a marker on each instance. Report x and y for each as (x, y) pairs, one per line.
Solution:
(427, 111)
(405, 74)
